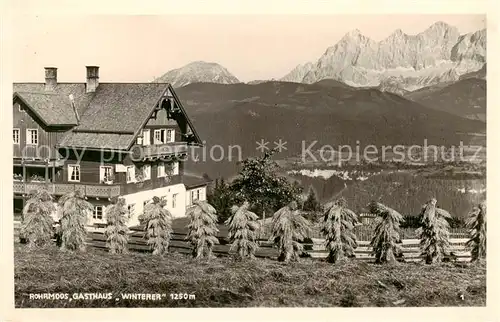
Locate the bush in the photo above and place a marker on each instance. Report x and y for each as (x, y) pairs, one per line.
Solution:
(202, 229)
(477, 226)
(434, 232)
(157, 226)
(386, 241)
(289, 228)
(116, 230)
(37, 225)
(243, 228)
(75, 212)
(338, 229)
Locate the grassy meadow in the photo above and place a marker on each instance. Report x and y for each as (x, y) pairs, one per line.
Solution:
(224, 282)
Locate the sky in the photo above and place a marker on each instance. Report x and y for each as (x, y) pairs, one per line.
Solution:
(139, 48)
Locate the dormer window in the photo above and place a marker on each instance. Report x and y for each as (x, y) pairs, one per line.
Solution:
(170, 135)
(159, 136)
(162, 136)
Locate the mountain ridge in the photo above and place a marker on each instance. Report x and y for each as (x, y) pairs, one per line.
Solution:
(399, 63)
(437, 54)
(198, 72)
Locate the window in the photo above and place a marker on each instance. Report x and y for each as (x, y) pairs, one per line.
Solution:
(162, 136)
(194, 196)
(74, 173)
(106, 174)
(98, 212)
(174, 200)
(159, 136)
(170, 135)
(32, 136)
(146, 137)
(16, 135)
(130, 173)
(161, 169)
(175, 168)
(146, 170)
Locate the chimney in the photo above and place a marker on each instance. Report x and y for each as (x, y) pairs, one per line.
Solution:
(92, 78)
(50, 78)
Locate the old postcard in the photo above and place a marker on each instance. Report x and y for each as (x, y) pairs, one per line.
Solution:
(327, 159)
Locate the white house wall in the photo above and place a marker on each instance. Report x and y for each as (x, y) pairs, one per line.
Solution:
(138, 199)
(183, 201)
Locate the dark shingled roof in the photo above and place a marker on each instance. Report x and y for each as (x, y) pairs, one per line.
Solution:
(52, 109)
(120, 107)
(62, 92)
(112, 141)
(110, 117)
(192, 181)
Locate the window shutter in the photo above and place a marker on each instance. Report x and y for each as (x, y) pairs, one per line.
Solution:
(146, 137)
(101, 173)
(163, 134)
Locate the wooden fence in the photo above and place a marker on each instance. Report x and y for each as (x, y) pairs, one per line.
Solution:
(365, 233)
(314, 249)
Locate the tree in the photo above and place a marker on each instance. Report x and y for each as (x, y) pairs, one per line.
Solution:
(338, 229)
(202, 229)
(476, 223)
(312, 206)
(259, 183)
(222, 198)
(37, 226)
(116, 230)
(433, 232)
(289, 228)
(75, 212)
(311, 203)
(386, 240)
(243, 228)
(157, 225)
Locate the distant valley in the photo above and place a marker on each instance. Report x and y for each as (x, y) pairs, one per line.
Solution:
(328, 112)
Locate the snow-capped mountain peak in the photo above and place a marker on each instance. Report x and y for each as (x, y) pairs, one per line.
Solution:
(437, 54)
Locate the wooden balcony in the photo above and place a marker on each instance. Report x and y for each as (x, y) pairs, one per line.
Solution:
(159, 151)
(89, 190)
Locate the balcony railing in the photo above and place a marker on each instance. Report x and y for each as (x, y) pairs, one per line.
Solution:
(158, 150)
(89, 190)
